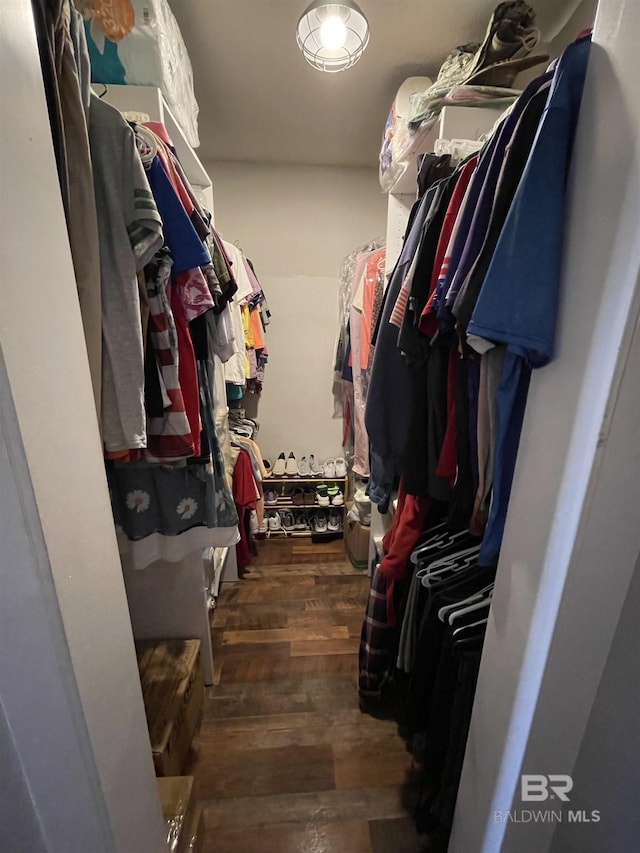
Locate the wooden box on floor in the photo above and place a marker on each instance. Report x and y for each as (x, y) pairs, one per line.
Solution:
(356, 543)
(173, 694)
(183, 819)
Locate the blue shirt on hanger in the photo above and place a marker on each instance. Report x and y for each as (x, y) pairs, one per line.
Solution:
(518, 302)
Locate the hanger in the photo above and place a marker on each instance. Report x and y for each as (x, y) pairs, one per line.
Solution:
(479, 605)
(468, 627)
(450, 563)
(447, 539)
(476, 596)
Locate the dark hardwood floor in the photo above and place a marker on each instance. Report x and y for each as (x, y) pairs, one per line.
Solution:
(285, 762)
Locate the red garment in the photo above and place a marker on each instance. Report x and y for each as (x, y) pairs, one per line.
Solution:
(187, 370)
(448, 461)
(244, 494)
(400, 540)
(428, 323)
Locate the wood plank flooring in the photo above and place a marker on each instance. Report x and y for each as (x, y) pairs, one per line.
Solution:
(285, 762)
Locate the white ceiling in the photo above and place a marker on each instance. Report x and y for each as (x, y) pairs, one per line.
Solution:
(260, 101)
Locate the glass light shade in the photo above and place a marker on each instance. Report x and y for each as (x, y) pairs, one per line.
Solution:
(332, 36)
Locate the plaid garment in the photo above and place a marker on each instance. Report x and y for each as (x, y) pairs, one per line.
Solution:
(377, 641)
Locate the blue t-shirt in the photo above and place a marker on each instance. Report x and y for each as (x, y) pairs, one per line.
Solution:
(518, 303)
(181, 238)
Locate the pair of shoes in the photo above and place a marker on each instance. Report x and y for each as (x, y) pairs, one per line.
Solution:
(285, 465)
(335, 468)
(303, 497)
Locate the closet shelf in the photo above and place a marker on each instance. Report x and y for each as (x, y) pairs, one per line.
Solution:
(299, 479)
(287, 502)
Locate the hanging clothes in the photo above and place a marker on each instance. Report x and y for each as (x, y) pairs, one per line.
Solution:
(470, 311)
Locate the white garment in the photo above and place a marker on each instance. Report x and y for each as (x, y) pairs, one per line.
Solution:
(235, 370)
(245, 288)
(173, 549)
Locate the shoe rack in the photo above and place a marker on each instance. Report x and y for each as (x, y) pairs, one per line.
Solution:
(284, 487)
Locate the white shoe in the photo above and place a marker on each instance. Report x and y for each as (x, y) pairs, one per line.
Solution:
(330, 469)
(279, 469)
(291, 467)
(341, 467)
(274, 521)
(338, 500)
(304, 469)
(316, 469)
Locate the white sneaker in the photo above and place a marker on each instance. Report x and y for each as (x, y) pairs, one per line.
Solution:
(274, 521)
(291, 467)
(279, 468)
(317, 470)
(335, 521)
(338, 500)
(341, 467)
(330, 469)
(304, 469)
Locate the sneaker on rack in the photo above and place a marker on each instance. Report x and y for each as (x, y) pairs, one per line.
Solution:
(304, 470)
(291, 466)
(270, 497)
(322, 495)
(297, 496)
(286, 519)
(335, 520)
(300, 521)
(317, 470)
(268, 467)
(330, 469)
(274, 521)
(341, 467)
(279, 469)
(337, 498)
(320, 521)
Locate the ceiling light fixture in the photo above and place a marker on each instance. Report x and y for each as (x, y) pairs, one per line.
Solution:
(332, 36)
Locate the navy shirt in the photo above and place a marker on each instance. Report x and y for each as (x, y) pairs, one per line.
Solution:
(518, 302)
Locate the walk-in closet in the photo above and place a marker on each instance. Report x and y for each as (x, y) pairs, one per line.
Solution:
(319, 426)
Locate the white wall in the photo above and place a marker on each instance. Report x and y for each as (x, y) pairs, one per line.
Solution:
(296, 224)
(611, 748)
